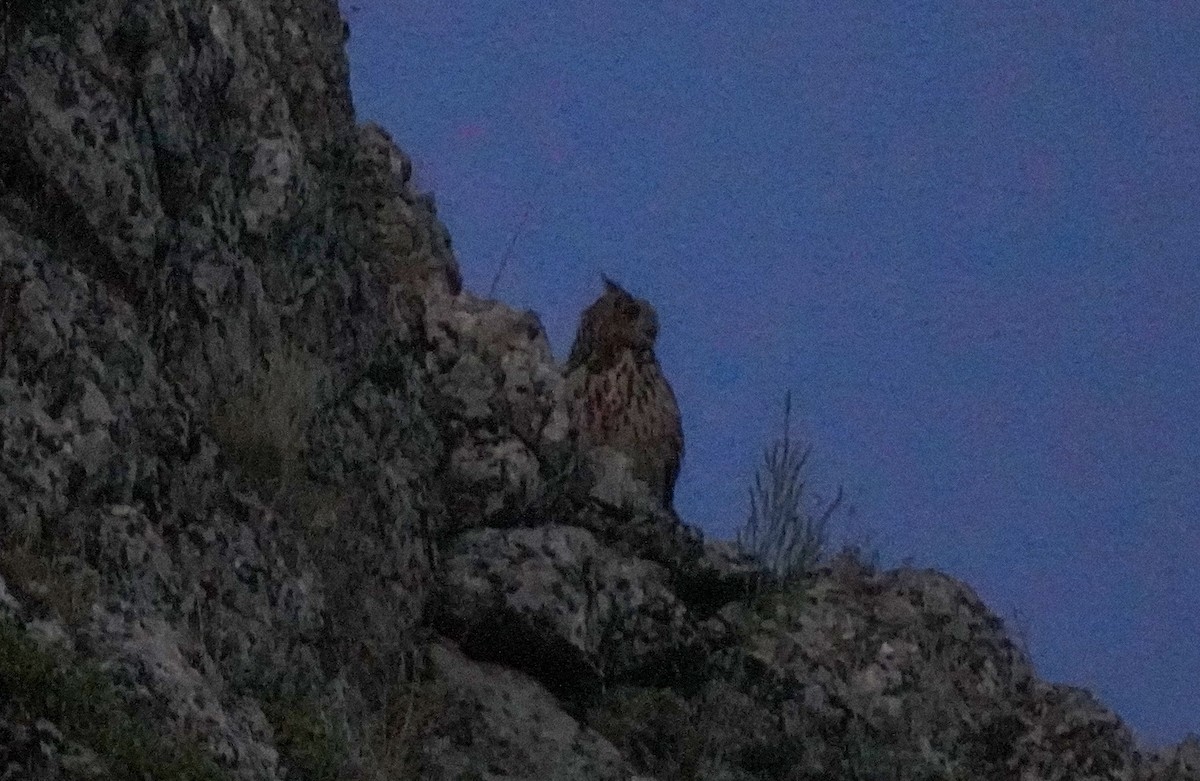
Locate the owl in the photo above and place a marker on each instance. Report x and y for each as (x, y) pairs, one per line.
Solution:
(618, 394)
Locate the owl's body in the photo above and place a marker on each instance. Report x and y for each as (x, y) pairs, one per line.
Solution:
(619, 395)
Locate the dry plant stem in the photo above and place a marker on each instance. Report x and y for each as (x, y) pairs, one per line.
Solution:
(512, 243)
(780, 531)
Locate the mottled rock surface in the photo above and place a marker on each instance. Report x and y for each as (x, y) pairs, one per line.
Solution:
(502, 725)
(1178, 763)
(555, 602)
(282, 500)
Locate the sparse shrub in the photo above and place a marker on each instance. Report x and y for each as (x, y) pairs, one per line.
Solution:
(867, 755)
(393, 739)
(308, 742)
(668, 736)
(262, 425)
(80, 699)
(654, 728)
(780, 605)
(787, 526)
(62, 584)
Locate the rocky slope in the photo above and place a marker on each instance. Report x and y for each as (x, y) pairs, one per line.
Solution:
(281, 500)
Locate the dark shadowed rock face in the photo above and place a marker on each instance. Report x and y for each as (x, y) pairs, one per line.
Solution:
(217, 463)
(281, 500)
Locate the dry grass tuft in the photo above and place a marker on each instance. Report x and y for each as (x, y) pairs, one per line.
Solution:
(308, 741)
(393, 739)
(787, 528)
(262, 425)
(666, 735)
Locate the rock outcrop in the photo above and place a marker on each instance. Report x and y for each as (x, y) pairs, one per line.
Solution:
(282, 500)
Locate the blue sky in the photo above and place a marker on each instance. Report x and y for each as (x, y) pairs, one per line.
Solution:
(965, 235)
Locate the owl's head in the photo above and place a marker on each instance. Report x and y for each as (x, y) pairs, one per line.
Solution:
(616, 321)
(630, 322)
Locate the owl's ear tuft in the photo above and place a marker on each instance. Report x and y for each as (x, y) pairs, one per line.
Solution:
(610, 286)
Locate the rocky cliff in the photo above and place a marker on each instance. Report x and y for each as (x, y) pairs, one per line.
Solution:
(279, 499)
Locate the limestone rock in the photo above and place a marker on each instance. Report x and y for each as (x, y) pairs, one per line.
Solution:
(400, 225)
(554, 602)
(502, 726)
(500, 404)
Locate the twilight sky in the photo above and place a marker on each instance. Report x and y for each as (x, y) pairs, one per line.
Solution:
(965, 235)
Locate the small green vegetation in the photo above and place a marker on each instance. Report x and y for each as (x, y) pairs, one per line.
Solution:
(307, 741)
(678, 738)
(79, 698)
(656, 729)
(313, 747)
(393, 739)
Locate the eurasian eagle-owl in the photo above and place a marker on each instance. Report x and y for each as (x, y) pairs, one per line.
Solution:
(618, 394)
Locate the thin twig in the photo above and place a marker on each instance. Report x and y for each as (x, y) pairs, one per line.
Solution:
(508, 252)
